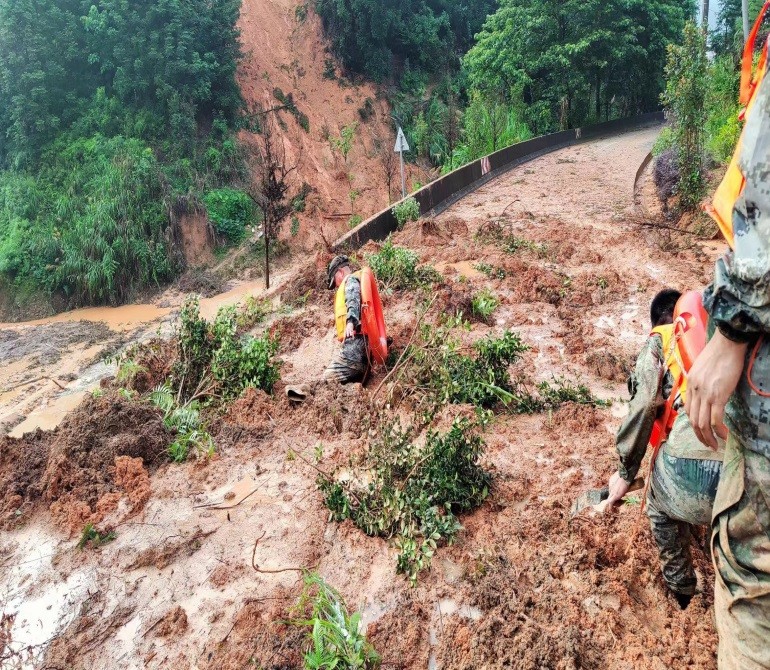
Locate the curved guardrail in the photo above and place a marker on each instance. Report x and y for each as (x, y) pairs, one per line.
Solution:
(442, 193)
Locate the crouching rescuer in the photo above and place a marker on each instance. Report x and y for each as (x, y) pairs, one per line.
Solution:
(359, 323)
(684, 474)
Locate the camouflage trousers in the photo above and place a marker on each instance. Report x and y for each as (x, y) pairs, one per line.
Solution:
(740, 544)
(351, 364)
(681, 495)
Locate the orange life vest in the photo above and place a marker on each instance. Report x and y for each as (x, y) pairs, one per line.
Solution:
(733, 183)
(372, 319)
(683, 341)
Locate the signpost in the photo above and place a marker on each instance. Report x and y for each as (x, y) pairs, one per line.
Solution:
(400, 148)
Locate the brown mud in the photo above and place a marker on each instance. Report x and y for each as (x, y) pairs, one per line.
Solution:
(524, 586)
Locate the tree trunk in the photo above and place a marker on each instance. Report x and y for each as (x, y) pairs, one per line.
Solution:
(745, 12)
(267, 255)
(705, 17)
(598, 97)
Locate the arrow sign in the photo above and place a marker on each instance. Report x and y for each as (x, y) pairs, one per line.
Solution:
(401, 143)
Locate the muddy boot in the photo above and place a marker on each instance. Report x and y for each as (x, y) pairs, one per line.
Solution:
(298, 393)
(683, 599)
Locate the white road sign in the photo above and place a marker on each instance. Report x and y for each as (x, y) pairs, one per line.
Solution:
(401, 143)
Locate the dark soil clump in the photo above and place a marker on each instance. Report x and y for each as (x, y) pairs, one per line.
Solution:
(81, 463)
(22, 463)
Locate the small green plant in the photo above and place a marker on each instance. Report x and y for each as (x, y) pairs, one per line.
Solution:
(483, 304)
(97, 393)
(335, 641)
(299, 201)
(366, 111)
(405, 211)
(287, 100)
(294, 230)
(398, 268)
(330, 69)
(602, 283)
(355, 220)
(414, 492)
(128, 371)
(252, 312)
(186, 422)
(501, 235)
(300, 13)
(94, 537)
(491, 271)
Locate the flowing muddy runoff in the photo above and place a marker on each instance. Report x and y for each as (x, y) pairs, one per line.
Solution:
(49, 365)
(522, 587)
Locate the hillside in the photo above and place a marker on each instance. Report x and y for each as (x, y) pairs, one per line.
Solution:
(285, 49)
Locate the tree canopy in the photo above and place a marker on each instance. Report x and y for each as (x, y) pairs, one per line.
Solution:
(377, 38)
(575, 61)
(162, 66)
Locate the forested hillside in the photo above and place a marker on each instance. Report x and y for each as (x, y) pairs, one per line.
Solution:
(115, 116)
(532, 67)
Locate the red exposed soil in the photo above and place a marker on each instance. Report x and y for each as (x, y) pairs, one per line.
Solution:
(173, 623)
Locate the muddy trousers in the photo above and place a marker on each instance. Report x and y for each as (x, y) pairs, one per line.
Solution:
(681, 496)
(351, 364)
(740, 545)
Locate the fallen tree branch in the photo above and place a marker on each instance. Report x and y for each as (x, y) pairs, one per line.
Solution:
(406, 348)
(270, 572)
(663, 226)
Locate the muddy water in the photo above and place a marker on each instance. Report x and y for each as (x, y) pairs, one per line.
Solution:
(128, 317)
(27, 391)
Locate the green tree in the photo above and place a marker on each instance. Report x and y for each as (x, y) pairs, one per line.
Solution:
(685, 100)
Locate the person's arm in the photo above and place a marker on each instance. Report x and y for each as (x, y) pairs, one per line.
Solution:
(353, 304)
(739, 299)
(634, 434)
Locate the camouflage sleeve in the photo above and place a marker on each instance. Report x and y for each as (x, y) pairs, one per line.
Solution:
(739, 298)
(353, 300)
(634, 434)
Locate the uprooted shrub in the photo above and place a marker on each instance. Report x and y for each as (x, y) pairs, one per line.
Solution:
(434, 371)
(213, 361)
(398, 268)
(415, 490)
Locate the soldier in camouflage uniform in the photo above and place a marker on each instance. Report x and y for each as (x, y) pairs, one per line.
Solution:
(686, 473)
(352, 363)
(724, 383)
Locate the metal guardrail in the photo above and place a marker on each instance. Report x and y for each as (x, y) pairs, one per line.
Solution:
(442, 193)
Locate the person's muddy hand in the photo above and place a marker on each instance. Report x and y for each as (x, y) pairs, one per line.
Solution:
(618, 488)
(350, 330)
(711, 382)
